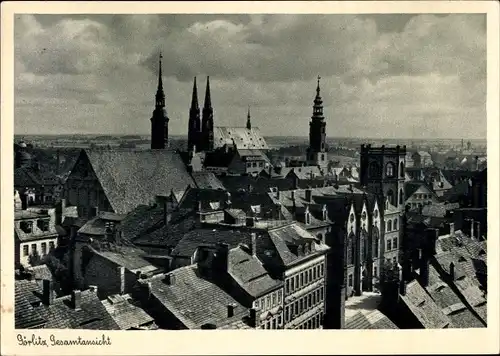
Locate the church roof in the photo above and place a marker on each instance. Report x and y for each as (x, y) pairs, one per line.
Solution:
(131, 178)
(242, 137)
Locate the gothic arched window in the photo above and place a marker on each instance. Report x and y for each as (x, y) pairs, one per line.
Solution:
(375, 242)
(351, 252)
(390, 196)
(389, 169)
(374, 170)
(395, 225)
(389, 225)
(402, 170)
(401, 196)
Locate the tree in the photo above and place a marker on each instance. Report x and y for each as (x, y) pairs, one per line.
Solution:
(34, 259)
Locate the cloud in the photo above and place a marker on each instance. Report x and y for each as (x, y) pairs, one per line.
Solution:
(382, 75)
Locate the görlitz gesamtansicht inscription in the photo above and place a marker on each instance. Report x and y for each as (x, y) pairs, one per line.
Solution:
(37, 340)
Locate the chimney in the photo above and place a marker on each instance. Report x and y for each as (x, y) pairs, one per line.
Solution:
(277, 193)
(121, 272)
(472, 229)
(250, 221)
(169, 279)
(308, 194)
(452, 229)
(76, 298)
(292, 195)
(452, 271)
(230, 310)
(478, 230)
(48, 293)
(93, 289)
(402, 288)
(254, 244)
(253, 318)
(424, 270)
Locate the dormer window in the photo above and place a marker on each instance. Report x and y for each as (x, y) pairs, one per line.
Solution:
(214, 205)
(27, 226)
(43, 224)
(363, 215)
(255, 209)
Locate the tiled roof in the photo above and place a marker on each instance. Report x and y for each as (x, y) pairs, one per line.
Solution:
(131, 178)
(194, 300)
(141, 220)
(128, 257)
(195, 238)
(445, 298)
(290, 237)
(127, 315)
(372, 320)
(305, 172)
(412, 187)
(95, 226)
(259, 184)
(91, 315)
(26, 177)
(207, 180)
(249, 272)
(424, 308)
(242, 137)
(26, 316)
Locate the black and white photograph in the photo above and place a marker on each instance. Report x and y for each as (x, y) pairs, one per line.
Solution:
(248, 171)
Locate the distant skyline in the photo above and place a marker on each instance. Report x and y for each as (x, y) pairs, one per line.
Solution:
(383, 76)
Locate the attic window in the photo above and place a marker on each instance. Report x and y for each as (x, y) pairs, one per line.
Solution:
(255, 209)
(27, 226)
(43, 224)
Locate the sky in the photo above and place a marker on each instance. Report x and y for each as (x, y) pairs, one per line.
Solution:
(382, 76)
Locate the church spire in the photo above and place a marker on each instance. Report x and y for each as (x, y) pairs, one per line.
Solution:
(194, 98)
(207, 122)
(318, 103)
(249, 124)
(159, 121)
(160, 95)
(194, 121)
(208, 99)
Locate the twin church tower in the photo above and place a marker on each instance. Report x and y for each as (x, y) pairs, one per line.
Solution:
(201, 132)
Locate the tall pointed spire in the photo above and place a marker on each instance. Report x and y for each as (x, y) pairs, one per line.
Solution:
(194, 98)
(208, 100)
(194, 125)
(207, 122)
(159, 121)
(160, 95)
(249, 124)
(317, 132)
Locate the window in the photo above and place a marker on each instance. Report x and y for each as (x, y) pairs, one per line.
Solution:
(321, 294)
(302, 279)
(292, 284)
(261, 164)
(390, 196)
(395, 224)
(395, 243)
(314, 298)
(279, 296)
(301, 304)
(279, 320)
(375, 272)
(401, 194)
(27, 226)
(297, 286)
(274, 323)
(296, 307)
(274, 299)
(33, 248)
(254, 164)
(394, 260)
(44, 248)
(350, 250)
(310, 276)
(389, 169)
(268, 302)
(389, 225)
(375, 246)
(309, 301)
(25, 250)
(321, 270)
(389, 245)
(287, 314)
(51, 245)
(287, 290)
(249, 164)
(43, 224)
(350, 280)
(314, 273)
(374, 170)
(402, 170)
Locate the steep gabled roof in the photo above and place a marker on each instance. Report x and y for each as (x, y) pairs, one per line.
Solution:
(242, 137)
(131, 178)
